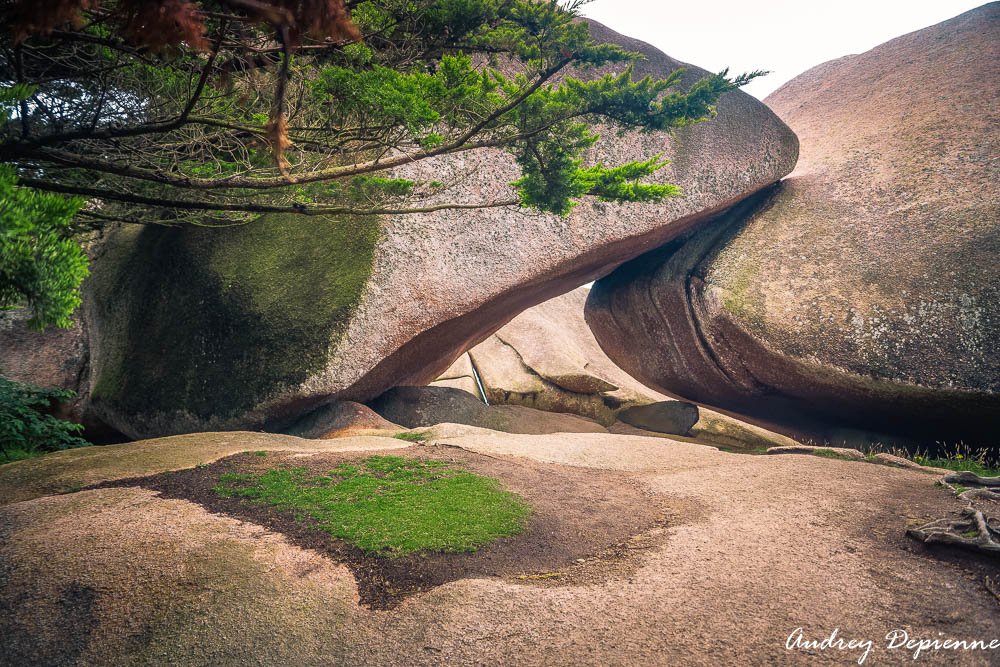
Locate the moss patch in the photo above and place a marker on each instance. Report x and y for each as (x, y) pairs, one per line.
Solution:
(577, 515)
(830, 454)
(737, 299)
(212, 322)
(390, 505)
(412, 436)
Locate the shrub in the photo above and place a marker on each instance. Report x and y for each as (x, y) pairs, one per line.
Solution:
(26, 431)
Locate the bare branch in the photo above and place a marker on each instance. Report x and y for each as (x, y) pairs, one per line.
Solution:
(300, 209)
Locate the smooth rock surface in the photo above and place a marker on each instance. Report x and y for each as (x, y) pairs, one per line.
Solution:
(252, 327)
(862, 294)
(747, 554)
(525, 361)
(416, 407)
(59, 472)
(340, 419)
(672, 417)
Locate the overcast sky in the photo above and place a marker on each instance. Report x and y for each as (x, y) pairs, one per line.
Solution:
(786, 37)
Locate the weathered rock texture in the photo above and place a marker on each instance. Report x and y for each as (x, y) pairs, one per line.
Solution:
(58, 472)
(251, 327)
(53, 358)
(673, 417)
(547, 358)
(126, 576)
(532, 358)
(862, 293)
(416, 407)
(340, 419)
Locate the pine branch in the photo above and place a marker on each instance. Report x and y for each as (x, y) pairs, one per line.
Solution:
(301, 209)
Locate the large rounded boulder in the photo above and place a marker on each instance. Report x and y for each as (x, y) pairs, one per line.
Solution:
(863, 293)
(252, 326)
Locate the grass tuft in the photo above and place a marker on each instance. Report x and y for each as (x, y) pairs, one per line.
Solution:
(983, 462)
(742, 450)
(830, 454)
(390, 505)
(412, 436)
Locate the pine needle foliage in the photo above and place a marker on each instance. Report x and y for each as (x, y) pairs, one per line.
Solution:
(212, 112)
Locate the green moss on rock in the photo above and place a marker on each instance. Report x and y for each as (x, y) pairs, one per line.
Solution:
(740, 298)
(212, 322)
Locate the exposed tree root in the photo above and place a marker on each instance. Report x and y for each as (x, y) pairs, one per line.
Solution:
(993, 587)
(965, 477)
(973, 529)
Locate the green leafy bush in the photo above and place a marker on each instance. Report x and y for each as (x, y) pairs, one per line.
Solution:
(26, 432)
(41, 266)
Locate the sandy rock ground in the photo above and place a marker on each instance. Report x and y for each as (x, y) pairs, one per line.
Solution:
(755, 547)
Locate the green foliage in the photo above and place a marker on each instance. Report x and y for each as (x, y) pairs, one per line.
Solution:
(231, 125)
(954, 456)
(742, 450)
(40, 264)
(830, 454)
(11, 96)
(550, 157)
(972, 465)
(24, 431)
(416, 85)
(368, 188)
(621, 184)
(391, 505)
(412, 436)
(548, 130)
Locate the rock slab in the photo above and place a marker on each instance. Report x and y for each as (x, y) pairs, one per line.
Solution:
(126, 576)
(672, 417)
(417, 407)
(340, 419)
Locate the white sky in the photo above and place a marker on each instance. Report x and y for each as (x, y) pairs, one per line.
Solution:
(786, 37)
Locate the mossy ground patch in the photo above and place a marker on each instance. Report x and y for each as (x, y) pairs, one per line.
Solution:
(390, 505)
(584, 526)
